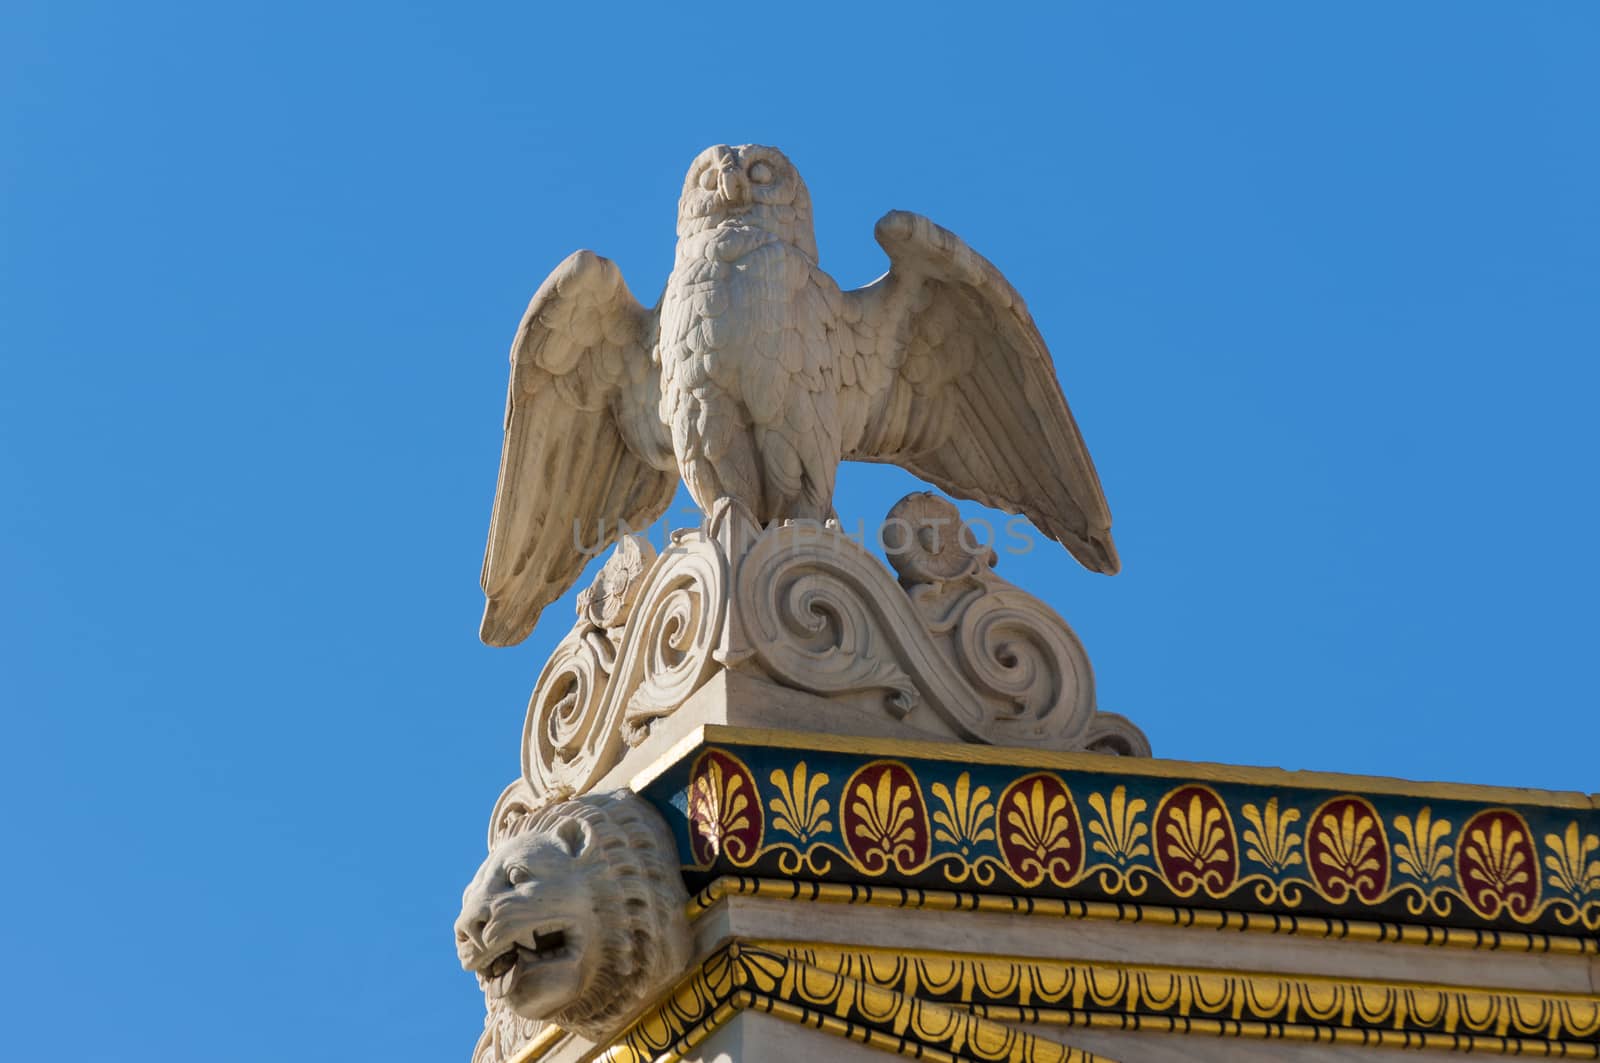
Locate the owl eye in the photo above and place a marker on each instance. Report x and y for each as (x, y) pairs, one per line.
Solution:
(708, 179)
(761, 173)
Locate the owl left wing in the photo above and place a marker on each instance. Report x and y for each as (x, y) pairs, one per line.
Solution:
(582, 436)
(952, 381)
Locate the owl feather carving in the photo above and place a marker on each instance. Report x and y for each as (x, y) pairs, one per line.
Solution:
(755, 375)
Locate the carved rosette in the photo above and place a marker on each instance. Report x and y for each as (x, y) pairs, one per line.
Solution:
(804, 606)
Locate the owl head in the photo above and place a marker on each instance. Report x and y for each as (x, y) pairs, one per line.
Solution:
(747, 185)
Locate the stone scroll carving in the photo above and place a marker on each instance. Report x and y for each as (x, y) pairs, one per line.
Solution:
(804, 606)
(622, 667)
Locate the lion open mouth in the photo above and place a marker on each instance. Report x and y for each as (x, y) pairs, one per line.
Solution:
(500, 974)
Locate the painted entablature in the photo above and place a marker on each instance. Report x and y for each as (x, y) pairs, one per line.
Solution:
(1081, 827)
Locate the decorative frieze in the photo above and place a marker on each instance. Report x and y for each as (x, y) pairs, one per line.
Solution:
(886, 813)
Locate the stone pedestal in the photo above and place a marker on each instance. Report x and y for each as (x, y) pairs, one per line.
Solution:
(901, 830)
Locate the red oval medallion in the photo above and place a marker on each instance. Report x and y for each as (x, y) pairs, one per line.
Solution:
(1196, 847)
(1347, 851)
(724, 810)
(1039, 830)
(1495, 865)
(884, 820)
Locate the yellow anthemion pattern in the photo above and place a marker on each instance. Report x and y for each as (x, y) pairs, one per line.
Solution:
(801, 813)
(911, 823)
(1572, 864)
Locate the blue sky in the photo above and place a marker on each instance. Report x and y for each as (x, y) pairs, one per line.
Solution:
(1321, 283)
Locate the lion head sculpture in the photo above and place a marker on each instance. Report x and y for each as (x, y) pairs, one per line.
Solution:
(579, 917)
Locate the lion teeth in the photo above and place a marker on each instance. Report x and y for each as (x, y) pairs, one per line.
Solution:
(502, 964)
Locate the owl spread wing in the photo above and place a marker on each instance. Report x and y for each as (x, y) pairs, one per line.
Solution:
(584, 446)
(953, 382)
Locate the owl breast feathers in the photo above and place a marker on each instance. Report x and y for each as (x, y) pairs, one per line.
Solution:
(754, 376)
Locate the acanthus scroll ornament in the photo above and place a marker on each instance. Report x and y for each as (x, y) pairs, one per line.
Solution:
(643, 643)
(801, 605)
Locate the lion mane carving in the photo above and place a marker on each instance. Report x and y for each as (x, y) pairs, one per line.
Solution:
(578, 918)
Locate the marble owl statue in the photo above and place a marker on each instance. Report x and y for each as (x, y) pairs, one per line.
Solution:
(755, 375)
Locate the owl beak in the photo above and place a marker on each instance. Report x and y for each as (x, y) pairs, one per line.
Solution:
(732, 185)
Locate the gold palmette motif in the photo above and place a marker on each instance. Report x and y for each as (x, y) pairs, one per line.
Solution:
(1501, 865)
(1195, 843)
(722, 804)
(1424, 854)
(885, 817)
(1572, 869)
(964, 820)
(1350, 856)
(1195, 837)
(1345, 854)
(1270, 841)
(1120, 834)
(1497, 864)
(1117, 826)
(800, 812)
(1037, 824)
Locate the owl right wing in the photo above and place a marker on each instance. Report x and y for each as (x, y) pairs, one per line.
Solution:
(585, 451)
(953, 382)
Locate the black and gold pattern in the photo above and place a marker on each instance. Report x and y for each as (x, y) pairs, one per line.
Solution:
(781, 983)
(1015, 989)
(953, 1006)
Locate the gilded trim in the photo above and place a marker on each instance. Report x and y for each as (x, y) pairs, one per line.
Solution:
(779, 983)
(968, 753)
(1156, 915)
(1013, 989)
(539, 1044)
(953, 1007)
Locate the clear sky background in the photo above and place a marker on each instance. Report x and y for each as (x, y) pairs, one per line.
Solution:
(1321, 282)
